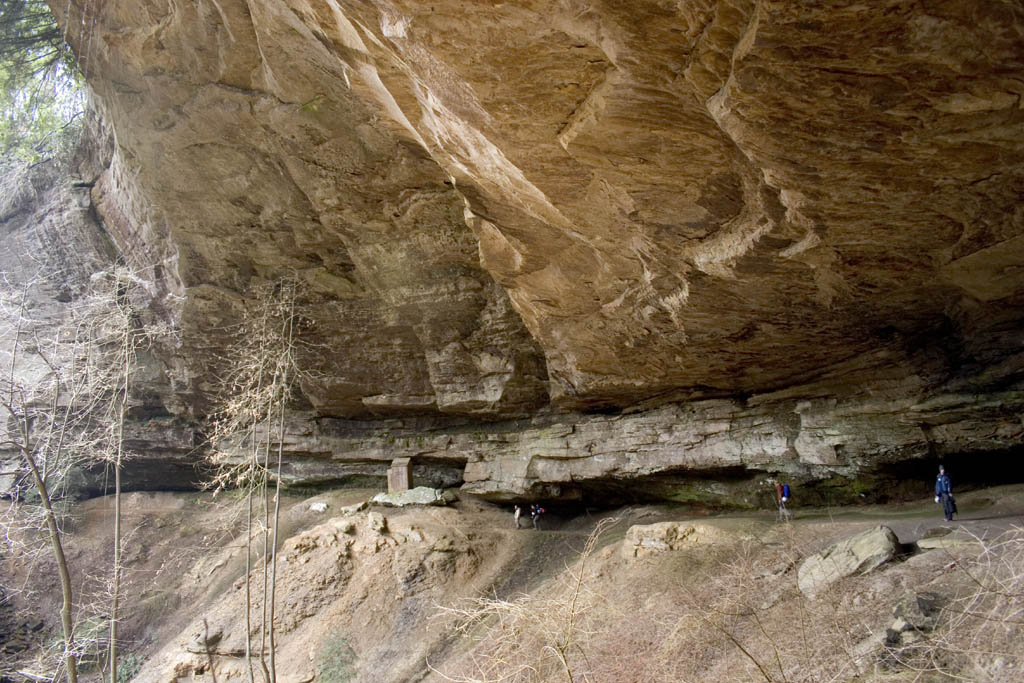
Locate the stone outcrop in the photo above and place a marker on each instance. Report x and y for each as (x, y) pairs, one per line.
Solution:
(915, 616)
(364, 581)
(52, 245)
(948, 539)
(715, 452)
(780, 237)
(492, 204)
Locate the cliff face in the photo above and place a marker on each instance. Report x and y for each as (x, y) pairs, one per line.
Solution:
(497, 209)
(51, 246)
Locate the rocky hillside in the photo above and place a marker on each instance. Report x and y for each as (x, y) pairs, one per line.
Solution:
(564, 249)
(456, 593)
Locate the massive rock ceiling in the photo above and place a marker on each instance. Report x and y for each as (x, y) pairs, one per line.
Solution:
(495, 207)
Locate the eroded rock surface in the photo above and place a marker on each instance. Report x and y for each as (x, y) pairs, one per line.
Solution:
(646, 539)
(500, 209)
(701, 196)
(51, 246)
(421, 495)
(349, 591)
(710, 451)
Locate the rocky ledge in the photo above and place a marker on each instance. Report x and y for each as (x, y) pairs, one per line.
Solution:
(719, 452)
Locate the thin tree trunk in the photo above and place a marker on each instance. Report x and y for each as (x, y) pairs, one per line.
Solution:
(116, 588)
(248, 584)
(70, 663)
(273, 546)
(266, 539)
(254, 467)
(254, 462)
(277, 484)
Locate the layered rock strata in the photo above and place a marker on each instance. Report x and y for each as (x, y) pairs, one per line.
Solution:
(51, 245)
(716, 452)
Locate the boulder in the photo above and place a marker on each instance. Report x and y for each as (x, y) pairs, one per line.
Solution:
(211, 641)
(859, 554)
(421, 495)
(918, 612)
(915, 616)
(378, 522)
(645, 539)
(353, 509)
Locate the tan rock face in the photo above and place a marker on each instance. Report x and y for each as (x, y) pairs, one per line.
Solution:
(787, 237)
(714, 197)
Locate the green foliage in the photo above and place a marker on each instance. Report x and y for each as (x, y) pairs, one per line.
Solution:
(337, 661)
(32, 40)
(128, 666)
(40, 88)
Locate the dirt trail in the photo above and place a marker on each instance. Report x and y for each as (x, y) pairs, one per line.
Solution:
(985, 513)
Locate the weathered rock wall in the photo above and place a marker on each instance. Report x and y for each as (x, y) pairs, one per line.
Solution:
(51, 244)
(715, 452)
(500, 209)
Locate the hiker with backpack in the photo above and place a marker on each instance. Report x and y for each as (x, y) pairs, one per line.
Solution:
(535, 512)
(944, 494)
(781, 498)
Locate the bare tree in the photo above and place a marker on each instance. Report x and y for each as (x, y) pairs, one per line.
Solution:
(115, 332)
(250, 422)
(40, 415)
(65, 394)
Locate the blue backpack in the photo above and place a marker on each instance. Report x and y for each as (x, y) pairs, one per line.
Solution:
(785, 490)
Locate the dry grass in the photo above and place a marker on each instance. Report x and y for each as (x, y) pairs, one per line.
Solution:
(978, 635)
(733, 613)
(533, 637)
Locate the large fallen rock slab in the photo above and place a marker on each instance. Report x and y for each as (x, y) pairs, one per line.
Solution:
(645, 539)
(947, 539)
(859, 554)
(421, 495)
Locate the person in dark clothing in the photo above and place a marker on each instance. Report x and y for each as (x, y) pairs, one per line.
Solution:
(535, 512)
(944, 494)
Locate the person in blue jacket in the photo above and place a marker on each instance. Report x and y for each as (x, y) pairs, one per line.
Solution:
(944, 494)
